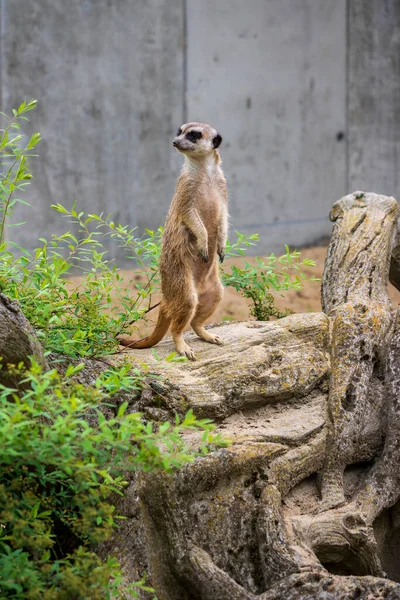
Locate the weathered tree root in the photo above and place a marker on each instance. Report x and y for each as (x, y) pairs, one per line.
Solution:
(227, 527)
(355, 297)
(341, 537)
(315, 586)
(216, 529)
(381, 488)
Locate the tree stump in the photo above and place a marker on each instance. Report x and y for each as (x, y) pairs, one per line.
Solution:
(308, 398)
(354, 296)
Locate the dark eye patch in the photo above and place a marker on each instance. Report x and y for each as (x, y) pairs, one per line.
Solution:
(192, 136)
(179, 132)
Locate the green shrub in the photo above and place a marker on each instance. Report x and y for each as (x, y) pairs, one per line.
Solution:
(82, 320)
(60, 459)
(265, 277)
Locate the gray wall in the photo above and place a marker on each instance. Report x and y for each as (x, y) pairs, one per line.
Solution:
(306, 94)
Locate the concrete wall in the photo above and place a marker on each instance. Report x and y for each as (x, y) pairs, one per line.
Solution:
(374, 96)
(306, 94)
(108, 75)
(273, 80)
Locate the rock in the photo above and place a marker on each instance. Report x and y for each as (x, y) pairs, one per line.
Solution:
(18, 341)
(304, 503)
(279, 360)
(308, 398)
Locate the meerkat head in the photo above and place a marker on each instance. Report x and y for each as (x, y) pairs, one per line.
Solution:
(197, 140)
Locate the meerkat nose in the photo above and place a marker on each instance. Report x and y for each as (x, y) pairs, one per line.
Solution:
(175, 144)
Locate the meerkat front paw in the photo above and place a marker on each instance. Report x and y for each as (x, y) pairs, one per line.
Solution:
(204, 254)
(221, 255)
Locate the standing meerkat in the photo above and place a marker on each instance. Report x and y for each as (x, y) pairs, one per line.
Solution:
(195, 233)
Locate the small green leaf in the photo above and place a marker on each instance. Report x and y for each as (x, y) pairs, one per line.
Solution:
(122, 409)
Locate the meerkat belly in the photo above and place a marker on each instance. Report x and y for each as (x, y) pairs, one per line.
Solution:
(210, 214)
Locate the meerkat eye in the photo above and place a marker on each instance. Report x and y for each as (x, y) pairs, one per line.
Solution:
(179, 132)
(192, 136)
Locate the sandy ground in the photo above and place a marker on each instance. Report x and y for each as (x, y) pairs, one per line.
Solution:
(234, 307)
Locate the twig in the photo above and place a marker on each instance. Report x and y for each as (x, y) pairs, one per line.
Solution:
(147, 311)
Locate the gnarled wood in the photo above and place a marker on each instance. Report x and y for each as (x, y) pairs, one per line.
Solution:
(303, 395)
(394, 273)
(354, 296)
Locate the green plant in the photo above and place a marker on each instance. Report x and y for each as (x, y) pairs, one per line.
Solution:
(266, 276)
(60, 459)
(85, 319)
(14, 160)
(82, 319)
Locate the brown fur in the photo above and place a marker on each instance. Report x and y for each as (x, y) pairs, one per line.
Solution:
(195, 233)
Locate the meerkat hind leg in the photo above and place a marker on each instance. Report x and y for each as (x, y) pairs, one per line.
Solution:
(186, 312)
(208, 302)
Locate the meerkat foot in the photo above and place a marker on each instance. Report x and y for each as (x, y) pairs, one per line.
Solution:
(215, 339)
(188, 352)
(208, 337)
(184, 350)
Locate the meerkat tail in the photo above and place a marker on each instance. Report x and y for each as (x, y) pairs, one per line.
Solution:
(159, 332)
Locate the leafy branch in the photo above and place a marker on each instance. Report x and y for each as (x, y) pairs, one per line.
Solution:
(15, 176)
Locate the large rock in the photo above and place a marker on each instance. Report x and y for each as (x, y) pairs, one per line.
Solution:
(18, 342)
(304, 502)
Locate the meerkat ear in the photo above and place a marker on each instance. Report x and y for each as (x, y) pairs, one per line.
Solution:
(217, 141)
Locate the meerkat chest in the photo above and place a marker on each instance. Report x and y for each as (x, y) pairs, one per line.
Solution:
(209, 202)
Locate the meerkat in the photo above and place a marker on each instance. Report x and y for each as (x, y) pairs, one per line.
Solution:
(194, 235)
